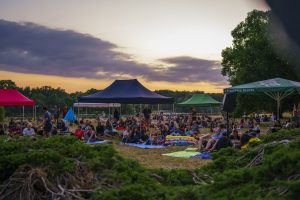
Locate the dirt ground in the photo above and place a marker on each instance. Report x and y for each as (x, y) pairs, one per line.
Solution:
(153, 158)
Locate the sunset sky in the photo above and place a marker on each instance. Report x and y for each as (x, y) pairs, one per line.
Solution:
(77, 45)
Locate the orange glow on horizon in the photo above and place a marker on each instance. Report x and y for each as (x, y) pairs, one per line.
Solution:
(71, 84)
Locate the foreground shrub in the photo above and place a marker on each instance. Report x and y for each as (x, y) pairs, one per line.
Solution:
(65, 168)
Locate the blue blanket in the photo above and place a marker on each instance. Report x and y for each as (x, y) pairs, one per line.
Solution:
(145, 146)
(204, 155)
(98, 142)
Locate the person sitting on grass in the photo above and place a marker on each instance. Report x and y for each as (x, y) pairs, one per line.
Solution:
(61, 126)
(275, 127)
(165, 130)
(108, 128)
(248, 138)
(29, 131)
(90, 135)
(193, 129)
(152, 139)
(235, 139)
(223, 142)
(79, 133)
(126, 135)
(288, 124)
(100, 129)
(256, 128)
(210, 140)
(54, 131)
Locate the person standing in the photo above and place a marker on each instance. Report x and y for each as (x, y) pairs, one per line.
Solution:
(147, 113)
(64, 111)
(116, 114)
(47, 123)
(56, 115)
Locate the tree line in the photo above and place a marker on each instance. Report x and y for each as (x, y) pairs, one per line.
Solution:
(55, 98)
(251, 57)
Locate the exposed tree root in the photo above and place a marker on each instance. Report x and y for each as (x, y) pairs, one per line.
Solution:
(202, 179)
(28, 183)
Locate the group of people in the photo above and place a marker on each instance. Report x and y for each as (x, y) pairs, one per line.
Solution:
(47, 125)
(148, 128)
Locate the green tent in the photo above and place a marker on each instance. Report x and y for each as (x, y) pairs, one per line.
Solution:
(276, 88)
(200, 100)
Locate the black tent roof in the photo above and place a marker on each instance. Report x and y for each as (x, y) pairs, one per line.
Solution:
(126, 91)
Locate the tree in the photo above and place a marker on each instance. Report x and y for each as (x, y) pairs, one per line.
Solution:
(7, 84)
(252, 57)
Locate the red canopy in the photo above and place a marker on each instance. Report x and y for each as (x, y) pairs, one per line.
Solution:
(12, 97)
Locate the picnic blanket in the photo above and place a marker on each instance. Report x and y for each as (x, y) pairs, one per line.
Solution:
(180, 140)
(98, 142)
(191, 149)
(204, 155)
(182, 154)
(146, 146)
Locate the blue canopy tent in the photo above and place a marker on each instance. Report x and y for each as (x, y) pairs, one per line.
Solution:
(126, 91)
(70, 116)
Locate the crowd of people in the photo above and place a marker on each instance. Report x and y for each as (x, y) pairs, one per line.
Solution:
(147, 128)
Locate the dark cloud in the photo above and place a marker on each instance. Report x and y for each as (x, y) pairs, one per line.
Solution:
(190, 69)
(31, 48)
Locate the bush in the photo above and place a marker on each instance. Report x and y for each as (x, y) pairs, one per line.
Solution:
(71, 163)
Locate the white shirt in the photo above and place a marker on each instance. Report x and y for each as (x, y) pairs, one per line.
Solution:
(28, 132)
(125, 133)
(256, 128)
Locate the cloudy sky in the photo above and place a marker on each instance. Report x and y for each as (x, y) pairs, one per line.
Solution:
(76, 45)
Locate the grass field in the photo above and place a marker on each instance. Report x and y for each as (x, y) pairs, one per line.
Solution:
(153, 158)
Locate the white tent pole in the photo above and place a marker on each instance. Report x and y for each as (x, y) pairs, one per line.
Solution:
(23, 113)
(35, 119)
(108, 112)
(33, 113)
(278, 107)
(277, 96)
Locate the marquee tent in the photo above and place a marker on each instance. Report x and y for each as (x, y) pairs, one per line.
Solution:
(126, 91)
(12, 97)
(200, 100)
(276, 88)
